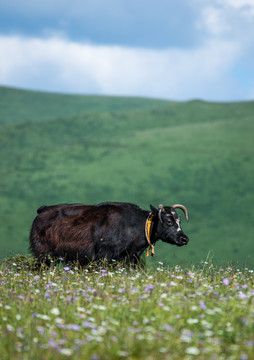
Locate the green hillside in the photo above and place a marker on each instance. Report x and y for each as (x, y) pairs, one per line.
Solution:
(66, 148)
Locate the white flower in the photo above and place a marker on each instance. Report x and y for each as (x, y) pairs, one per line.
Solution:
(186, 336)
(122, 353)
(9, 327)
(18, 317)
(79, 308)
(192, 350)
(59, 320)
(192, 321)
(206, 324)
(43, 317)
(55, 311)
(67, 352)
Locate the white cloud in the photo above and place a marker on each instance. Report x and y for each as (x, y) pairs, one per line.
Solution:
(226, 18)
(56, 64)
(239, 3)
(213, 21)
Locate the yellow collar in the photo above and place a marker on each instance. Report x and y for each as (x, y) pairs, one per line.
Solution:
(148, 224)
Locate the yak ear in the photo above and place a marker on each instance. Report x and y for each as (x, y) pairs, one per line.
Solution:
(154, 210)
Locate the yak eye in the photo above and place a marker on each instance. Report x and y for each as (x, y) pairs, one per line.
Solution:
(170, 221)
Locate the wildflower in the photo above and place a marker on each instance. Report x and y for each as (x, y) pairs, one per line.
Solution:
(66, 268)
(202, 305)
(59, 320)
(241, 295)
(168, 328)
(73, 327)
(43, 317)
(187, 336)
(225, 281)
(192, 350)
(149, 288)
(244, 357)
(192, 321)
(103, 273)
(143, 296)
(206, 324)
(123, 353)
(67, 352)
(9, 327)
(82, 309)
(87, 324)
(55, 311)
(52, 343)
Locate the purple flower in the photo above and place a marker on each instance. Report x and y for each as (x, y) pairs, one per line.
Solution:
(241, 295)
(202, 305)
(66, 268)
(225, 281)
(52, 343)
(87, 324)
(149, 288)
(168, 328)
(103, 273)
(144, 296)
(74, 327)
(244, 357)
(121, 290)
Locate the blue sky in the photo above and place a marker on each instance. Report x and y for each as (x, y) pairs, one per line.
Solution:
(176, 50)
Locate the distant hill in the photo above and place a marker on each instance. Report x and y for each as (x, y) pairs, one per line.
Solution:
(69, 148)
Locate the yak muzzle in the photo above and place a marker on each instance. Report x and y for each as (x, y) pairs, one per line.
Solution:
(183, 240)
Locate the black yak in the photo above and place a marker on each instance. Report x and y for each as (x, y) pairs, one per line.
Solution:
(113, 230)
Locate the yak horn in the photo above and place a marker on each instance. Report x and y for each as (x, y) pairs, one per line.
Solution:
(161, 208)
(179, 206)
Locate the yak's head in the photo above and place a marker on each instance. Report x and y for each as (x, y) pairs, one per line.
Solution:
(168, 224)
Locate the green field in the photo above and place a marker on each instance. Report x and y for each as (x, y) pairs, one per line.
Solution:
(88, 149)
(114, 313)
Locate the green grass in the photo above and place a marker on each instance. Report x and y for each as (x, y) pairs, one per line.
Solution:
(116, 312)
(61, 148)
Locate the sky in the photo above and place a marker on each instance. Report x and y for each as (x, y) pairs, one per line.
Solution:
(178, 50)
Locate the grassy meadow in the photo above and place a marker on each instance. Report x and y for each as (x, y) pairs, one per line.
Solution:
(88, 149)
(115, 312)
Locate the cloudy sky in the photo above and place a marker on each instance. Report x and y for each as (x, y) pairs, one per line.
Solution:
(180, 50)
